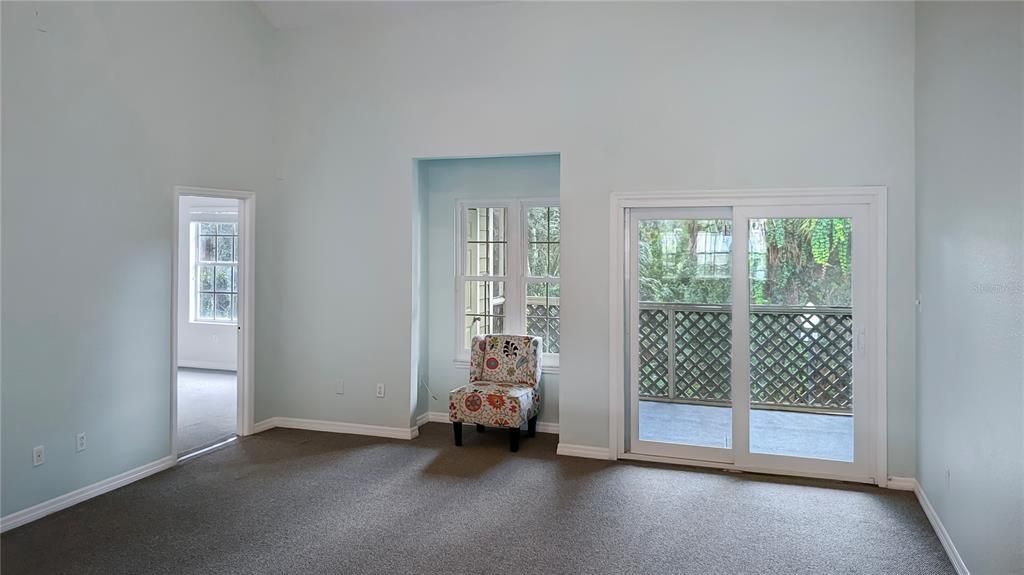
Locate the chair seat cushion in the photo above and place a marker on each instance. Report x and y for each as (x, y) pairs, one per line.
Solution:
(495, 404)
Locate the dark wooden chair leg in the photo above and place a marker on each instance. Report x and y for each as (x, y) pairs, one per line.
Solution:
(531, 427)
(457, 428)
(513, 440)
(480, 428)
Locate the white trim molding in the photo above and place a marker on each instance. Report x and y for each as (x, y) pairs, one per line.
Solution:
(261, 426)
(542, 426)
(940, 530)
(911, 484)
(516, 277)
(338, 427)
(245, 367)
(586, 451)
(901, 483)
(437, 417)
(77, 496)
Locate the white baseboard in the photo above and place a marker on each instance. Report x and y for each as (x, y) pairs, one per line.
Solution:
(338, 427)
(215, 365)
(901, 483)
(45, 508)
(269, 423)
(442, 417)
(940, 530)
(546, 427)
(437, 417)
(911, 484)
(586, 451)
(422, 419)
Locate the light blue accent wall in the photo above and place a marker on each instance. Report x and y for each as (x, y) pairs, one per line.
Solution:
(442, 184)
(106, 107)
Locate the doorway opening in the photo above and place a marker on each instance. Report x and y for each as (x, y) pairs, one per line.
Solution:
(210, 295)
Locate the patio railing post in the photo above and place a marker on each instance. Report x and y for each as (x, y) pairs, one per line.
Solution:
(671, 354)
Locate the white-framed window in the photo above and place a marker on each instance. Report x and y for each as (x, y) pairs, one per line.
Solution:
(214, 265)
(507, 272)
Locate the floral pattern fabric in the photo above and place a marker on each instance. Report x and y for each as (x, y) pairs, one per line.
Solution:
(476, 358)
(506, 358)
(495, 404)
(504, 388)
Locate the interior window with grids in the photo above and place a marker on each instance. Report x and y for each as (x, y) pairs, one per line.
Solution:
(484, 271)
(508, 277)
(542, 274)
(215, 271)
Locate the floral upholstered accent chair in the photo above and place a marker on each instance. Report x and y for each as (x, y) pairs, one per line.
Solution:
(504, 386)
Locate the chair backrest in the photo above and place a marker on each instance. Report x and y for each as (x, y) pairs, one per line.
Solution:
(506, 359)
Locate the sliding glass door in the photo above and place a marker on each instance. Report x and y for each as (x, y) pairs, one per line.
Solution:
(681, 351)
(747, 337)
(804, 315)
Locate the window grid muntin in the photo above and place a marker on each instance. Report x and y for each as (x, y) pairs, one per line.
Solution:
(217, 231)
(481, 229)
(515, 239)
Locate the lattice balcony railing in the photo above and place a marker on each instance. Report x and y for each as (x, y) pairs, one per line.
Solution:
(799, 359)
(543, 320)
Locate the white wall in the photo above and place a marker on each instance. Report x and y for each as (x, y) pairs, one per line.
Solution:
(443, 183)
(633, 97)
(106, 107)
(970, 225)
(203, 345)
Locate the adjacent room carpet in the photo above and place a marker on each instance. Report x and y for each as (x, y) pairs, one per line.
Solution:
(288, 501)
(207, 402)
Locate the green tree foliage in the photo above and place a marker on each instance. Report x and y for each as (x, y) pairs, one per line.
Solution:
(793, 261)
(805, 261)
(542, 229)
(670, 269)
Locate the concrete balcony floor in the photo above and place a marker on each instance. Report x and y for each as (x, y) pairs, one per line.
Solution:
(811, 435)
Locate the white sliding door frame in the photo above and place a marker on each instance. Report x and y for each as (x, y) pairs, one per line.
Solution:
(246, 306)
(677, 450)
(870, 244)
(864, 326)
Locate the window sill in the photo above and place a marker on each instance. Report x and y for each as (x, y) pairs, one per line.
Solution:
(544, 370)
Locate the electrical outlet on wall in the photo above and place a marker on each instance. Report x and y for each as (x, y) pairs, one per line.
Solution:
(340, 388)
(380, 390)
(38, 455)
(80, 442)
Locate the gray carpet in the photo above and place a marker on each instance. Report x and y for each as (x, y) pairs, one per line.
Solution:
(288, 501)
(813, 435)
(207, 402)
